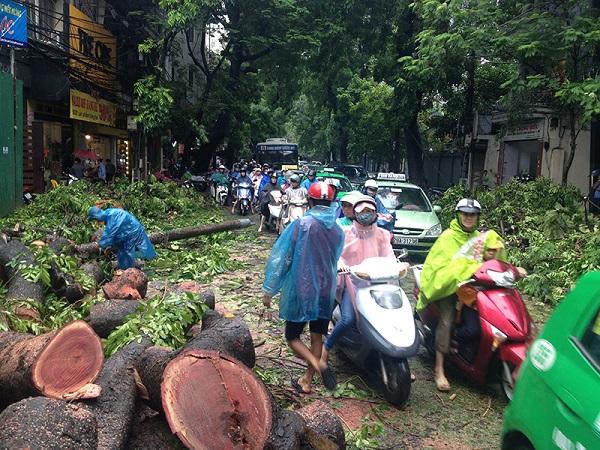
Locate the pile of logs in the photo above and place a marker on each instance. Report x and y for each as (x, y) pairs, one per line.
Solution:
(57, 391)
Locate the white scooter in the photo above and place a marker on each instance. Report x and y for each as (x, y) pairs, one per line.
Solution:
(274, 210)
(385, 334)
(221, 194)
(292, 210)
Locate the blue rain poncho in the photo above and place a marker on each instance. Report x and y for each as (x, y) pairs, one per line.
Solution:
(124, 232)
(303, 265)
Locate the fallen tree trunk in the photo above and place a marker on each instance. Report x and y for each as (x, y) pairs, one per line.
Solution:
(45, 423)
(60, 364)
(106, 316)
(228, 336)
(325, 428)
(115, 408)
(19, 288)
(158, 237)
(130, 284)
(211, 400)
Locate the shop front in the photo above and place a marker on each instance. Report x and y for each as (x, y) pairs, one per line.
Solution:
(521, 152)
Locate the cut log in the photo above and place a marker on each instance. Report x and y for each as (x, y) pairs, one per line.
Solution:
(287, 430)
(325, 428)
(151, 431)
(41, 423)
(229, 336)
(93, 270)
(130, 284)
(180, 233)
(19, 288)
(106, 316)
(115, 408)
(212, 400)
(56, 364)
(64, 285)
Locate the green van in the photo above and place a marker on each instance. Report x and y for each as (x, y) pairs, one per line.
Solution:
(556, 403)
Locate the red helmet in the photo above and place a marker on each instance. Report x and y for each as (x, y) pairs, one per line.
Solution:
(321, 191)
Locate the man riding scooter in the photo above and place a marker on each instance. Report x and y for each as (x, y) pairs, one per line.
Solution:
(266, 197)
(295, 202)
(242, 180)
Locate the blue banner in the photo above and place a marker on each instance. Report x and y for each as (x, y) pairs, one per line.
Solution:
(13, 24)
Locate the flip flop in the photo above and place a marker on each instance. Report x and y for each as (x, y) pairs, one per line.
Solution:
(328, 378)
(296, 385)
(441, 383)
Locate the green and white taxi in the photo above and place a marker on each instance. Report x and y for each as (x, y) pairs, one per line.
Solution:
(417, 225)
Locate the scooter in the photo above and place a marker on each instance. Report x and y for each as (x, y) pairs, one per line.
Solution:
(244, 196)
(506, 327)
(197, 182)
(291, 211)
(274, 210)
(221, 193)
(385, 333)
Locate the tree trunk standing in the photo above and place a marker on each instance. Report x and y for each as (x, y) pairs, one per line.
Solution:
(41, 423)
(56, 364)
(414, 152)
(573, 145)
(19, 288)
(115, 408)
(210, 397)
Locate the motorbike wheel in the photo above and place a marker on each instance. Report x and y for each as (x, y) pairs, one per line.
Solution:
(244, 210)
(506, 382)
(399, 383)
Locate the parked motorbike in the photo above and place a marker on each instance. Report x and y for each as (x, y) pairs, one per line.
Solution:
(28, 196)
(291, 211)
(435, 193)
(507, 329)
(244, 196)
(198, 182)
(385, 333)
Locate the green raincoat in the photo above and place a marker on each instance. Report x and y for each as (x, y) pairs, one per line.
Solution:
(454, 258)
(442, 272)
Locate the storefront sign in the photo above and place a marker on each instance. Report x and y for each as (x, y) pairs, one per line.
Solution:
(13, 24)
(93, 50)
(87, 108)
(529, 130)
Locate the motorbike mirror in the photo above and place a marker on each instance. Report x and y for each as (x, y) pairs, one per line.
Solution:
(402, 254)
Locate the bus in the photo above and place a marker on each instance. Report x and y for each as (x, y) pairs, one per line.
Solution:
(278, 153)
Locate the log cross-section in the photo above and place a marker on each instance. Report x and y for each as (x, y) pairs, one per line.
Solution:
(57, 364)
(211, 400)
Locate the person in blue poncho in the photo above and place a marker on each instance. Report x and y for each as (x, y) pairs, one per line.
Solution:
(124, 232)
(303, 266)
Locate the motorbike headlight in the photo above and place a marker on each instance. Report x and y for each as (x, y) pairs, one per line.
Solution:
(499, 337)
(435, 230)
(387, 300)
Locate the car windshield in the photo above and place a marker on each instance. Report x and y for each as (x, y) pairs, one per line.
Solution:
(403, 199)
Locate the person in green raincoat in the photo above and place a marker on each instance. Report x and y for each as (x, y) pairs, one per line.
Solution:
(442, 273)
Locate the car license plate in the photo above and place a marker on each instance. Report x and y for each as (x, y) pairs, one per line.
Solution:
(405, 240)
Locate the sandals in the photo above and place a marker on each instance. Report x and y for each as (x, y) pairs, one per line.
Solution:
(441, 383)
(328, 378)
(297, 387)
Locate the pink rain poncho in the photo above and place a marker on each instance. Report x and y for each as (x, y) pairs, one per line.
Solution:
(303, 265)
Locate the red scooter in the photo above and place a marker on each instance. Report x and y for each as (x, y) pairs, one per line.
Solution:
(506, 328)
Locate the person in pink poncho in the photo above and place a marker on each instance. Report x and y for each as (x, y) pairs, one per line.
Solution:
(364, 239)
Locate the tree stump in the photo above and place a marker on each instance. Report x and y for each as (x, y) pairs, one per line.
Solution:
(57, 364)
(211, 401)
(41, 423)
(115, 408)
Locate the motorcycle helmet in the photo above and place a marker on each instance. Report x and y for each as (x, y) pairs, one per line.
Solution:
(468, 205)
(221, 167)
(311, 173)
(371, 184)
(295, 179)
(321, 191)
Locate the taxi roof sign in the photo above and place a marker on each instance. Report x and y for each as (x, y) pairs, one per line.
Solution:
(391, 176)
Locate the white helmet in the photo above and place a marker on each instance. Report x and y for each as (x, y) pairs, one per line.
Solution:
(468, 205)
(371, 184)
